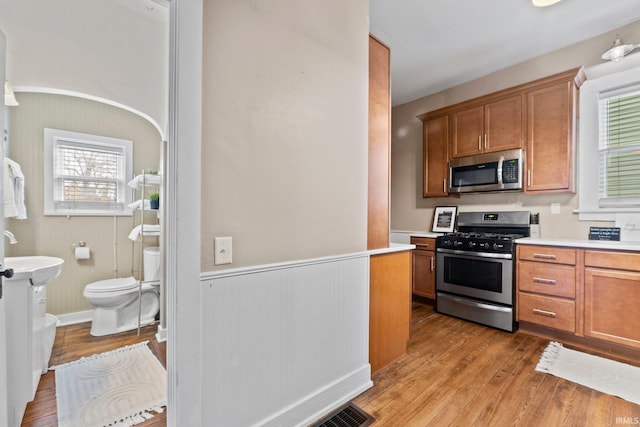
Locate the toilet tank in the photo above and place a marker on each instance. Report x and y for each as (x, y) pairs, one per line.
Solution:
(151, 260)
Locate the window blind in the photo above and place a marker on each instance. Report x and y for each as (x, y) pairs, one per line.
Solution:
(88, 175)
(619, 149)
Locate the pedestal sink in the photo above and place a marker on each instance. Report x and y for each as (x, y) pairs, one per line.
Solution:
(39, 270)
(25, 302)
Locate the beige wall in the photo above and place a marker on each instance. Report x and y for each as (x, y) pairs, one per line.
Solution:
(54, 235)
(411, 212)
(284, 145)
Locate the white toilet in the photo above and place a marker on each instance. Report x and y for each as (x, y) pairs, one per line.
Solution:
(116, 305)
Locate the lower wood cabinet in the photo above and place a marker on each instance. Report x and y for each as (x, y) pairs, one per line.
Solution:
(612, 297)
(423, 267)
(557, 313)
(546, 282)
(389, 307)
(593, 294)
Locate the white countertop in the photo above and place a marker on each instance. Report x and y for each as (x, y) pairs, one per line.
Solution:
(393, 247)
(582, 243)
(401, 236)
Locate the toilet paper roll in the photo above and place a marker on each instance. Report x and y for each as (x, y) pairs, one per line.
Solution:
(83, 252)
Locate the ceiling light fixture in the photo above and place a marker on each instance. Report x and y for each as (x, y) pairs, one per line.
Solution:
(618, 50)
(9, 97)
(544, 3)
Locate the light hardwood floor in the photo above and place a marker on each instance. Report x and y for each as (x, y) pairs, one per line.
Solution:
(457, 373)
(73, 342)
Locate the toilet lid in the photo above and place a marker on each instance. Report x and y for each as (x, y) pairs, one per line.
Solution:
(110, 285)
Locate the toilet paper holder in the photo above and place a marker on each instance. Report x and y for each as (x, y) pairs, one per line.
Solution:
(81, 251)
(80, 244)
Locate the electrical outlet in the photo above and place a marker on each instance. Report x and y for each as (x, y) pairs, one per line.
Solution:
(555, 208)
(222, 250)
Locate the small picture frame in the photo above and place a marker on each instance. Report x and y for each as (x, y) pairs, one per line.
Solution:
(444, 219)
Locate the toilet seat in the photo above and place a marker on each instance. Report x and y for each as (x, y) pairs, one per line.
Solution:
(112, 285)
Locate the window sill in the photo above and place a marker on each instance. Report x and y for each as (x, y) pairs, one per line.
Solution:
(603, 214)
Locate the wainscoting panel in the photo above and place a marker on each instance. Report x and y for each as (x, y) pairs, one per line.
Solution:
(284, 344)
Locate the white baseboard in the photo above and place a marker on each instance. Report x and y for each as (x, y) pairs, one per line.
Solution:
(74, 318)
(323, 401)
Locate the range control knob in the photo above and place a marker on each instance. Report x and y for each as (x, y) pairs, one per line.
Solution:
(472, 245)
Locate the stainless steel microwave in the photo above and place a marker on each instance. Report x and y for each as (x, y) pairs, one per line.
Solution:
(499, 171)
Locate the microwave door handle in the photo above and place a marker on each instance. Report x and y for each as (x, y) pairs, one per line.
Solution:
(500, 183)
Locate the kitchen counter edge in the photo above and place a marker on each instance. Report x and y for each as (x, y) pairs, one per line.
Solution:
(393, 247)
(581, 243)
(400, 236)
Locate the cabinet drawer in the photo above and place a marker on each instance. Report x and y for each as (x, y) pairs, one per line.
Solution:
(547, 311)
(547, 254)
(558, 280)
(424, 243)
(615, 260)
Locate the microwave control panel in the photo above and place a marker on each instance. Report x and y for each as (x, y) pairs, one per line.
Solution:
(510, 171)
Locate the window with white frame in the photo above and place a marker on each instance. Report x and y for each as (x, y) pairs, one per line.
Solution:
(609, 145)
(619, 148)
(86, 174)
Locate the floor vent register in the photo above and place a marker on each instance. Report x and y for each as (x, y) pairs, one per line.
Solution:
(348, 415)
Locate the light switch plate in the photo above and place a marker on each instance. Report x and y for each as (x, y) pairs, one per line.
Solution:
(222, 248)
(555, 208)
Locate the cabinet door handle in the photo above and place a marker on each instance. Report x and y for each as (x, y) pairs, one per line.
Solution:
(544, 312)
(479, 142)
(433, 264)
(444, 185)
(544, 256)
(529, 178)
(485, 141)
(544, 281)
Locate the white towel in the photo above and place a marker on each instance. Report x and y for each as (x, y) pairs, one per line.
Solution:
(13, 190)
(149, 179)
(148, 230)
(138, 204)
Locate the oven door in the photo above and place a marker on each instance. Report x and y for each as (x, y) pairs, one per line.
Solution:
(484, 276)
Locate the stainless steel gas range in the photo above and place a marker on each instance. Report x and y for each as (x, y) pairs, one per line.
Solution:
(475, 268)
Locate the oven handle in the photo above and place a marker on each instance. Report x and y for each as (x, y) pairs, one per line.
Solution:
(481, 305)
(477, 255)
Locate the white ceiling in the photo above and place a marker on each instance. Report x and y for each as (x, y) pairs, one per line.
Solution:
(439, 44)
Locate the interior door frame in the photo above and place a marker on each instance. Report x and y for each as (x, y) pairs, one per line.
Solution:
(182, 236)
(4, 396)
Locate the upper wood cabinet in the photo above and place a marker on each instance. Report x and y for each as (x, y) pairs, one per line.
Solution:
(538, 116)
(503, 124)
(467, 130)
(550, 124)
(434, 152)
(494, 126)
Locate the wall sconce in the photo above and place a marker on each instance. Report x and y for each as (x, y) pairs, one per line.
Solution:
(9, 96)
(618, 50)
